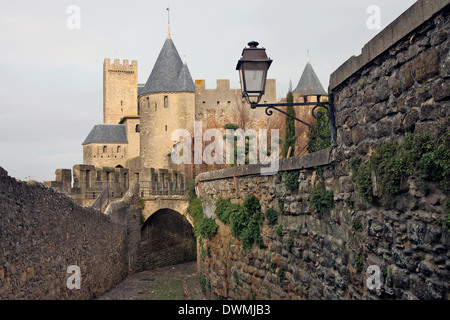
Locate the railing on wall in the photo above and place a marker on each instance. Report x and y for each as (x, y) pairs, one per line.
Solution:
(149, 188)
(146, 188)
(97, 187)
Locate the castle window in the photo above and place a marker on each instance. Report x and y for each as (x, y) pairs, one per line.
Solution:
(104, 149)
(166, 127)
(138, 128)
(166, 101)
(118, 149)
(218, 102)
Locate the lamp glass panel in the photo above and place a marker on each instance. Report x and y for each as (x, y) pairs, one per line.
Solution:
(254, 76)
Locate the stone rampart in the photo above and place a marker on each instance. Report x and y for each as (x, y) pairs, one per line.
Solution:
(325, 234)
(43, 232)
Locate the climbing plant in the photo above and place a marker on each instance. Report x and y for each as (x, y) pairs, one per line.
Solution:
(203, 227)
(426, 156)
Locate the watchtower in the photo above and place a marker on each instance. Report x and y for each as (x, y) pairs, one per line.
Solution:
(119, 90)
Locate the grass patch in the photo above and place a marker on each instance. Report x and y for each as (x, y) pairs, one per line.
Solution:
(168, 289)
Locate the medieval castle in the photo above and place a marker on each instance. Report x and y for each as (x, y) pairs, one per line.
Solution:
(134, 140)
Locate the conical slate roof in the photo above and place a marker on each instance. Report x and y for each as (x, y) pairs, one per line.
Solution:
(309, 83)
(169, 74)
(107, 133)
(185, 82)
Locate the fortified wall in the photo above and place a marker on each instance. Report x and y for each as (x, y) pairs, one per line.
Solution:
(327, 217)
(89, 182)
(222, 105)
(43, 232)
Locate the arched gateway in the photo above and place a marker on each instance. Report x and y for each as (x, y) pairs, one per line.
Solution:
(167, 238)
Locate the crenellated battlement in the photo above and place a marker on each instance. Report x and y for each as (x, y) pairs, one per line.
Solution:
(116, 66)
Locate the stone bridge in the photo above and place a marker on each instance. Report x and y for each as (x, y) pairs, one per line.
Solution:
(160, 230)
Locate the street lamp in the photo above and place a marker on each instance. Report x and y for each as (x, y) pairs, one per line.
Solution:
(253, 67)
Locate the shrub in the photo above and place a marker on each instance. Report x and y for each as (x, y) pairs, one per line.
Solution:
(206, 228)
(321, 199)
(245, 222)
(203, 227)
(271, 216)
(224, 209)
(290, 179)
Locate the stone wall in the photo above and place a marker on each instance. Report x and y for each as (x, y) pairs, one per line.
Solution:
(399, 86)
(43, 232)
(217, 107)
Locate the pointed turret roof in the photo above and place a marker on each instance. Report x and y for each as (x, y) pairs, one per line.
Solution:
(185, 82)
(309, 83)
(169, 73)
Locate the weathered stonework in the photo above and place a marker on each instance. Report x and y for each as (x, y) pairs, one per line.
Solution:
(43, 232)
(380, 96)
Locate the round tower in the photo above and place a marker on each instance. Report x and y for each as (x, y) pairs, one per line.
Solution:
(166, 103)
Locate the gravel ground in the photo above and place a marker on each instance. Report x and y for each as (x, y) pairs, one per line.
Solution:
(178, 282)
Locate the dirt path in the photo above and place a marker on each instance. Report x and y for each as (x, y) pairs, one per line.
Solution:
(178, 282)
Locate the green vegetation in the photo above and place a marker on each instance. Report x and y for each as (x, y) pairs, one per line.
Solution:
(224, 209)
(232, 126)
(271, 216)
(321, 199)
(281, 273)
(244, 220)
(358, 263)
(279, 230)
(202, 280)
(362, 178)
(290, 179)
(425, 156)
(289, 135)
(245, 223)
(357, 226)
(280, 204)
(203, 227)
(320, 135)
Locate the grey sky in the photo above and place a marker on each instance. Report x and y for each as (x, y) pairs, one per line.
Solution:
(51, 76)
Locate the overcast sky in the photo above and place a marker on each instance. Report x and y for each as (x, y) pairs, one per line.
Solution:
(51, 83)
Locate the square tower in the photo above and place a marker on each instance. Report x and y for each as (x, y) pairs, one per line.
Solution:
(119, 90)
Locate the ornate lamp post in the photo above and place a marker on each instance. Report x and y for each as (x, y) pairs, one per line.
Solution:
(253, 67)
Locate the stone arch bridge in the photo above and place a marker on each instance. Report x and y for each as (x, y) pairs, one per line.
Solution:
(160, 231)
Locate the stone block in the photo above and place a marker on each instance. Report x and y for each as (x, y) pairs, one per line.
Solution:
(426, 65)
(441, 90)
